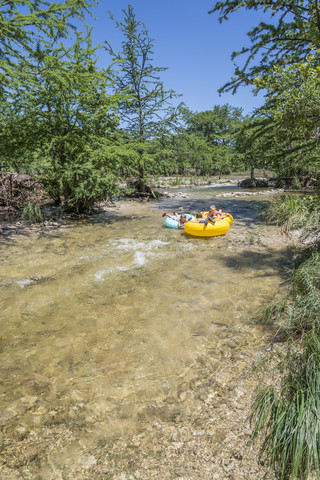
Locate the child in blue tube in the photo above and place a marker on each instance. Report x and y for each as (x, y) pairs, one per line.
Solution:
(182, 220)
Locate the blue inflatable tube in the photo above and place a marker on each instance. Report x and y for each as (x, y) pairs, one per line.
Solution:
(174, 221)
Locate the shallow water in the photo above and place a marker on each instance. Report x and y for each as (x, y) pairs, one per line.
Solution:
(104, 319)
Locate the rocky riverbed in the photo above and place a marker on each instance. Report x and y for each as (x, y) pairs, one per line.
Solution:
(123, 357)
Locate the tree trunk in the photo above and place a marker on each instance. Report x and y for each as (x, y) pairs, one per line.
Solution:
(141, 185)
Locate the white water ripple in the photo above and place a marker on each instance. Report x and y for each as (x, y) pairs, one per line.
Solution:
(128, 254)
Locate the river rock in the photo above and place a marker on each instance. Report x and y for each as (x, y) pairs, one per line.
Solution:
(88, 461)
(255, 182)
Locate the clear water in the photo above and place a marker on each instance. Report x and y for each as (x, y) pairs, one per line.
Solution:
(104, 318)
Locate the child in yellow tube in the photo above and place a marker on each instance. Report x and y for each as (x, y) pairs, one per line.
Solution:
(212, 216)
(214, 212)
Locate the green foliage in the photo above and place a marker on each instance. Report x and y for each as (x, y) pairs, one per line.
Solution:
(145, 108)
(293, 93)
(191, 152)
(287, 211)
(283, 61)
(61, 122)
(288, 418)
(300, 312)
(218, 128)
(87, 177)
(288, 32)
(32, 213)
(295, 316)
(204, 144)
(254, 144)
(302, 315)
(293, 107)
(56, 111)
(296, 184)
(26, 23)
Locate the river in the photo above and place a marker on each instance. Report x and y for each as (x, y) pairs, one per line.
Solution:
(125, 346)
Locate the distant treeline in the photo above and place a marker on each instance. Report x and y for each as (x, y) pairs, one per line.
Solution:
(82, 129)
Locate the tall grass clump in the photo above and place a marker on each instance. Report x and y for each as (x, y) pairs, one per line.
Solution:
(294, 212)
(288, 418)
(306, 277)
(303, 311)
(32, 213)
(272, 313)
(299, 312)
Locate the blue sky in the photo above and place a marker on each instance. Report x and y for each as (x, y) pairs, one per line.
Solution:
(194, 46)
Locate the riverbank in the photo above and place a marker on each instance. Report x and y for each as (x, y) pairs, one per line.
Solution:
(285, 412)
(53, 217)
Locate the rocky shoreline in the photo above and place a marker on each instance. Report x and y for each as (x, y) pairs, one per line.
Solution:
(54, 218)
(231, 194)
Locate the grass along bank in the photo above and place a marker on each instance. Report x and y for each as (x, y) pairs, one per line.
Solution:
(286, 413)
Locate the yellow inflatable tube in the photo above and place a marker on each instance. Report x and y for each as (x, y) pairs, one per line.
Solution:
(197, 229)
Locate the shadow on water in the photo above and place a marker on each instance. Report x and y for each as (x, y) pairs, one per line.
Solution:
(259, 261)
